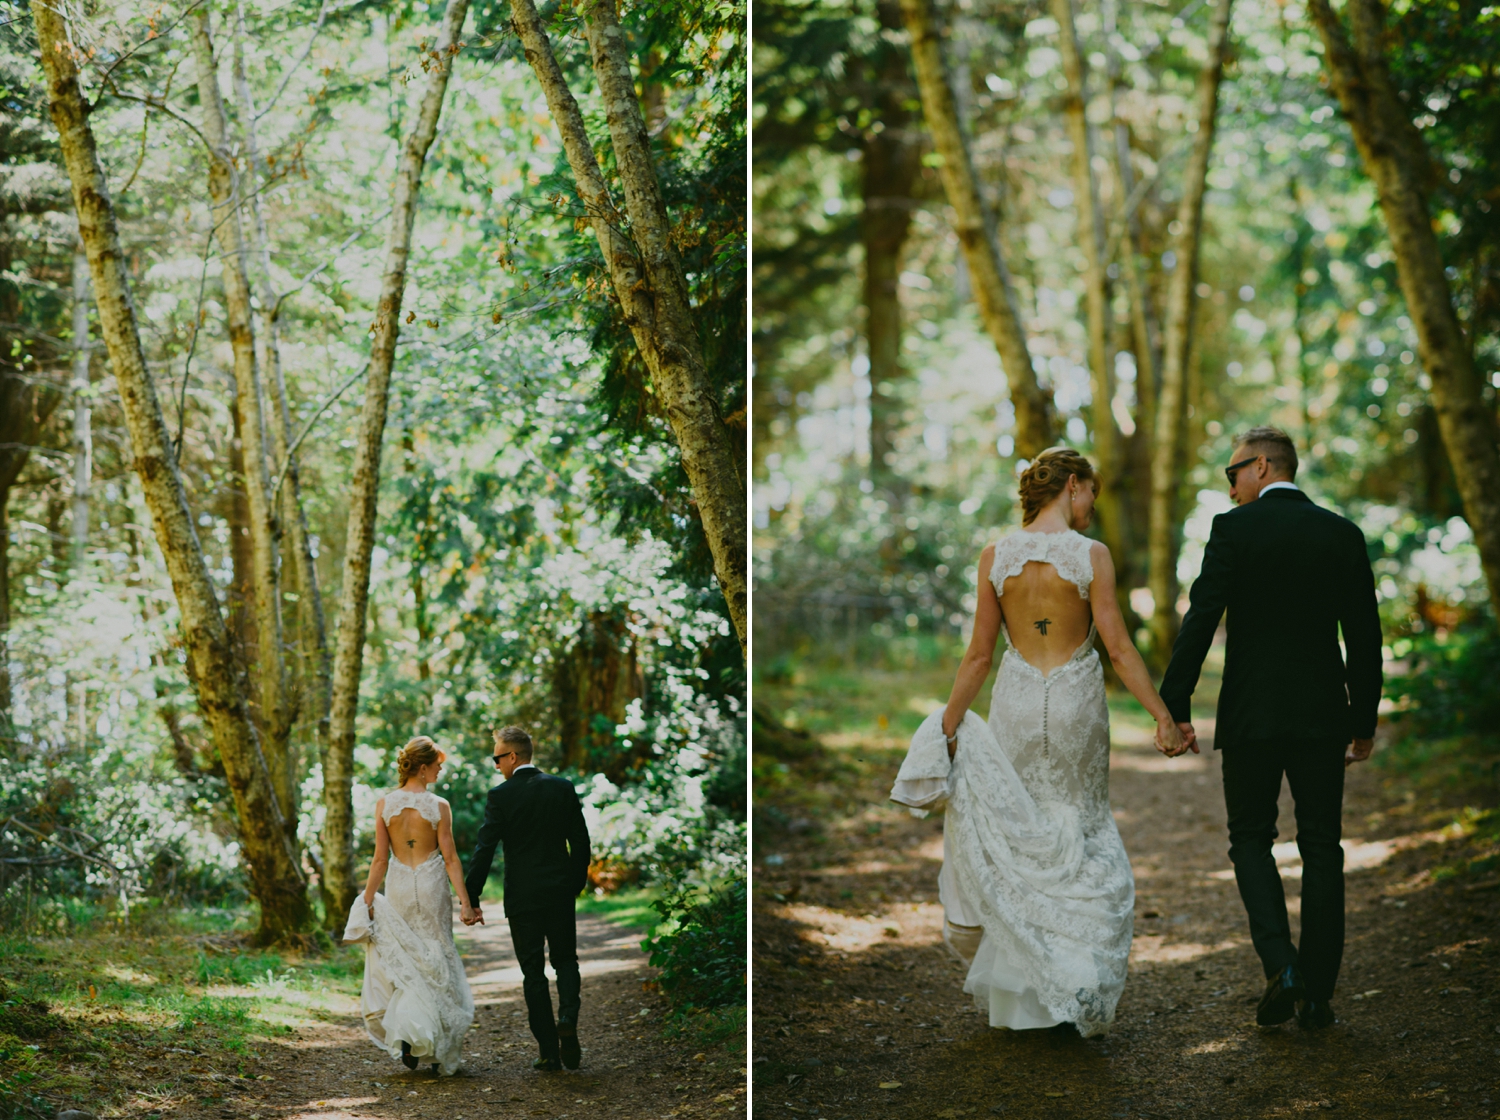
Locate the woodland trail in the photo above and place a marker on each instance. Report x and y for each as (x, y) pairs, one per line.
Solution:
(859, 1009)
(333, 1072)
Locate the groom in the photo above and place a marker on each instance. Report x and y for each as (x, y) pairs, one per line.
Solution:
(1291, 575)
(538, 821)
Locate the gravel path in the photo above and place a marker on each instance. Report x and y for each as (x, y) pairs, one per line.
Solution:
(859, 1010)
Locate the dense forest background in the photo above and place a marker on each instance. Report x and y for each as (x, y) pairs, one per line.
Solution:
(1237, 246)
(539, 555)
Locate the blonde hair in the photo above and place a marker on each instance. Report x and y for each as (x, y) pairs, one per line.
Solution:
(1047, 476)
(417, 753)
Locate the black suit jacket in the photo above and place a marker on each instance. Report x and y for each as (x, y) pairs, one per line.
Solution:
(1290, 574)
(538, 820)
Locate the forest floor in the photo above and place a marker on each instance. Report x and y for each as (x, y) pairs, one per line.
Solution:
(222, 1041)
(859, 1010)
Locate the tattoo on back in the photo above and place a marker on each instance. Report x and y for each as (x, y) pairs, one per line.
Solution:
(1042, 624)
(411, 843)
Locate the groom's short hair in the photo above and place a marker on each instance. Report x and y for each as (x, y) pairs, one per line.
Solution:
(518, 741)
(1275, 445)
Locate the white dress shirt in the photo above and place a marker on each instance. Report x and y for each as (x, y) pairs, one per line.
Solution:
(1278, 486)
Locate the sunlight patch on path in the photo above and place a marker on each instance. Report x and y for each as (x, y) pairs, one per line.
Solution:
(907, 924)
(1359, 855)
(333, 1109)
(1154, 949)
(513, 975)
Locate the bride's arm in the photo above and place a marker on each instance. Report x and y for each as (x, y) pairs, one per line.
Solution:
(981, 652)
(382, 858)
(452, 862)
(1122, 652)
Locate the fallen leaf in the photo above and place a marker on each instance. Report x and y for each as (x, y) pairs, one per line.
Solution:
(890, 1084)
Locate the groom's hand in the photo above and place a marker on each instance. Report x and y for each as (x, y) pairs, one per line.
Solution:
(1358, 751)
(1189, 738)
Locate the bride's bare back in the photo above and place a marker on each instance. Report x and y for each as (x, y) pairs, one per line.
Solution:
(1045, 616)
(413, 838)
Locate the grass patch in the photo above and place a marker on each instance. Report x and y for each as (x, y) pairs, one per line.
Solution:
(107, 1017)
(633, 907)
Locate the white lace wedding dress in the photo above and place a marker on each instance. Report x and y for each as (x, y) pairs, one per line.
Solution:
(1037, 891)
(415, 990)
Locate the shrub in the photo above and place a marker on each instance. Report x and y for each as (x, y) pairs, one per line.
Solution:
(1449, 731)
(702, 953)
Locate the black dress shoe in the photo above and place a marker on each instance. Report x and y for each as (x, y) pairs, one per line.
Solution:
(1283, 992)
(567, 1043)
(1315, 1014)
(408, 1059)
(546, 1065)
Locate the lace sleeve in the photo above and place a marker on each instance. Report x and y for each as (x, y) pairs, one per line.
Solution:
(1068, 553)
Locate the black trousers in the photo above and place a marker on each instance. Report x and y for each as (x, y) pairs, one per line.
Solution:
(537, 934)
(1252, 783)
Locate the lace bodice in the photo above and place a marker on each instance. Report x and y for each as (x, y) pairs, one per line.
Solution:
(1068, 553)
(428, 805)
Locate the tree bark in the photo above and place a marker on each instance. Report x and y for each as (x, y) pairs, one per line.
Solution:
(1397, 160)
(892, 161)
(227, 194)
(83, 429)
(1096, 280)
(709, 449)
(276, 878)
(1164, 534)
(316, 665)
(338, 826)
(978, 232)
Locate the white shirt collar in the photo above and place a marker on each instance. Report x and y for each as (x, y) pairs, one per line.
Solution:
(523, 766)
(1278, 486)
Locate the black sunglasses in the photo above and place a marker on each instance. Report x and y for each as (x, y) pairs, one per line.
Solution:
(1234, 468)
(503, 754)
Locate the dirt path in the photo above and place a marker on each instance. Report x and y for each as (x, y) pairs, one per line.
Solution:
(333, 1072)
(859, 1010)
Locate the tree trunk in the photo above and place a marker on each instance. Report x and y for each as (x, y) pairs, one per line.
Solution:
(1396, 159)
(1171, 407)
(276, 878)
(338, 826)
(1096, 280)
(978, 232)
(225, 190)
(83, 431)
(592, 684)
(710, 451)
(316, 664)
(889, 173)
(890, 170)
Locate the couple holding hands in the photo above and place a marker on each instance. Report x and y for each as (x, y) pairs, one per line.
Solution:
(416, 1000)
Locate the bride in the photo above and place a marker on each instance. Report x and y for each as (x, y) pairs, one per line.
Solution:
(1037, 892)
(415, 1000)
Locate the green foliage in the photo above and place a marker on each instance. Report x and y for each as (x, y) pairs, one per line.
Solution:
(701, 953)
(1448, 734)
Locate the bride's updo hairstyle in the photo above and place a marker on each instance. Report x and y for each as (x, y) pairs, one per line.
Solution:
(418, 753)
(1047, 477)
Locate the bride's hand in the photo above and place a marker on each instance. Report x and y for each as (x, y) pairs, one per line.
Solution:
(466, 914)
(1169, 738)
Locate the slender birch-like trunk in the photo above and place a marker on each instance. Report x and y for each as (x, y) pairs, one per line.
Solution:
(648, 279)
(1164, 534)
(1397, 160)
(227, 192)
(276, 878)
(978, 231)
(338, 826)
(316, 663)
(1095, 279)
(710, 451)
(83, 428)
